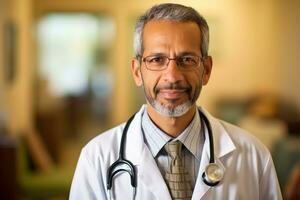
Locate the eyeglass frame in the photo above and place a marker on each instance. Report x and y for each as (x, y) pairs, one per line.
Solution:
(176, 59)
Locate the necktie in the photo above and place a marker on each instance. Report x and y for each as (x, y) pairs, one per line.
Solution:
(177, 178)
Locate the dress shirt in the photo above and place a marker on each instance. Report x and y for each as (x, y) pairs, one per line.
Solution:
(192, 139)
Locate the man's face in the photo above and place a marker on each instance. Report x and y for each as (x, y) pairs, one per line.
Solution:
(172, 91)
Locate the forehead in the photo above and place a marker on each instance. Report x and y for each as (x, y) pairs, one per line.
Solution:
(172, 35)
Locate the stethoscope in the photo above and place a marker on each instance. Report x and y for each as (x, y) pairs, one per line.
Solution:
(211, 176)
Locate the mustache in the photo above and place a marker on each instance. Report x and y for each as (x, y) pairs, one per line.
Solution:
(172, 86)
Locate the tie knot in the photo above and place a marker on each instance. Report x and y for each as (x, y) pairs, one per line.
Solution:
(174, 149)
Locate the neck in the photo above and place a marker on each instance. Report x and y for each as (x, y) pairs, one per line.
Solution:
(172, 126)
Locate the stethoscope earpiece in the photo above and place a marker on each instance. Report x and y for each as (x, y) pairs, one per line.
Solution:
(213, 174)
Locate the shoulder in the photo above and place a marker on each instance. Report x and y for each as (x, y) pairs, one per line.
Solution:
(106, 138)
(103, 146)
(252, 153)
(243, 139)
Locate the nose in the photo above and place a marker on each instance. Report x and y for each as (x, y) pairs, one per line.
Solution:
(172, 73)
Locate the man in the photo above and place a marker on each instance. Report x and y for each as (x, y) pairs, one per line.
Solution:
(168, 142)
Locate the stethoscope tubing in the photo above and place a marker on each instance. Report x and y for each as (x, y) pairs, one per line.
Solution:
(121, 160)
(112, 171)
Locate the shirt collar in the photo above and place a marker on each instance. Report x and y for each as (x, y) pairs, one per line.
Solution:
(155, 138)
(192, 137)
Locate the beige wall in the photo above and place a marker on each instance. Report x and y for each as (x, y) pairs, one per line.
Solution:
(3, 16)
(287, 31)
(256, 46)
(18, 94)
(260, 50)
(245, 64)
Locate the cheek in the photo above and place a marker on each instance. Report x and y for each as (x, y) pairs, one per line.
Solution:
(149, 80)
(195, 82)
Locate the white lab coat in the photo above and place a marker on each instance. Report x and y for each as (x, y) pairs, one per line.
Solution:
(249, 169)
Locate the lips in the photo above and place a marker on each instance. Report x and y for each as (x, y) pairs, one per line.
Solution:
(172, 94)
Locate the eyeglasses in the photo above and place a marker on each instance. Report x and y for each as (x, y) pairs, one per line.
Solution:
(161, 62)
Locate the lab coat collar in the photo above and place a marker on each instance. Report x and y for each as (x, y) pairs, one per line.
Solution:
(222, 141)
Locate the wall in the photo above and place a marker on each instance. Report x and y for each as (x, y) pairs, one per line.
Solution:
(3, 18)
(287, 31)
(244, 62)
(17, 98)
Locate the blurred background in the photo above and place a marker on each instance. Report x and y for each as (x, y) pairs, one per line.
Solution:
(65, 77)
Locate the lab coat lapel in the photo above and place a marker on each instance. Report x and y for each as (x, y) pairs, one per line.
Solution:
(139, 154)
(223, 145)
(135, 140)
(150, 175)
(200, 187)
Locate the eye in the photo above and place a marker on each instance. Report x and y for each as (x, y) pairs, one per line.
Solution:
(155, 59)
(188, 60)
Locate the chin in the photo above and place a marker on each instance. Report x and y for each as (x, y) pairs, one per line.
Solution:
(172, 111)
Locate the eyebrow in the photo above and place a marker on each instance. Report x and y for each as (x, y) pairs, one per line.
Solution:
(185, 53)
(157, 54)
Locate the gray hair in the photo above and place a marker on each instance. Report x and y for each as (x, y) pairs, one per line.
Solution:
(175, 12)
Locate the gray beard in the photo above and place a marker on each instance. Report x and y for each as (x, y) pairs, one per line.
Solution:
(171, 112)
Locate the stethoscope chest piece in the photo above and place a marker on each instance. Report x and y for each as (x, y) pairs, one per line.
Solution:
(213, 174)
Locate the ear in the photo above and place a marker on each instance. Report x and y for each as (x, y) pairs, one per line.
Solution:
(136, 72)
(207, 64)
